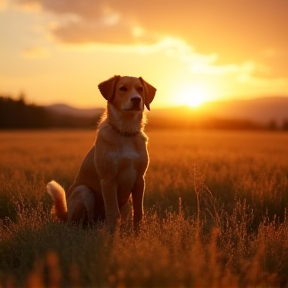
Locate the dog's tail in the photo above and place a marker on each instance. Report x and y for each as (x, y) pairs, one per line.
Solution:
(59, 209)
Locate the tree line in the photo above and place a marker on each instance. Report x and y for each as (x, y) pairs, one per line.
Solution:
(17, 114)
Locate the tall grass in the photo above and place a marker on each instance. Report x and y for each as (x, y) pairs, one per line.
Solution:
(215, 216)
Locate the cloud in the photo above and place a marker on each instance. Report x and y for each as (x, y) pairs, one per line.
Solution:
(91, 32)
(107, 30)
(248, 72)
(148, 27)
(253, 80)
(203, 23)
(85, 8)
(259, 75)
(35, 53)
(204, 63)
(89, 22)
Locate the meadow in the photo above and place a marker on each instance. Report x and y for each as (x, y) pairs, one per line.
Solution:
(215, 213)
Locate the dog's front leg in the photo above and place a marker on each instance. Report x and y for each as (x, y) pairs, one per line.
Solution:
(109, 192)
(137, 198)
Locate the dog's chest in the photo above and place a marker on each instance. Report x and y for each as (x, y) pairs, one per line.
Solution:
(126, 152)
(130, 165)
(129, 156)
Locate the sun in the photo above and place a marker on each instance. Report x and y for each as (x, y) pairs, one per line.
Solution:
(194, 95)
(191, 94)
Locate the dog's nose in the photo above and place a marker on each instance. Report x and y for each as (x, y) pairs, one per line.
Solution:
(136, 100)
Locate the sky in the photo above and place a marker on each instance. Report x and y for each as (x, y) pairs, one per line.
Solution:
(192, 51)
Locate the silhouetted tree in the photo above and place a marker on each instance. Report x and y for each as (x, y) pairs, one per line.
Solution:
(284, 125)
(272, 125)
(16, 114)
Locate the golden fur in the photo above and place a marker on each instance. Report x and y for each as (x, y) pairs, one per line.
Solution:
(115, 166)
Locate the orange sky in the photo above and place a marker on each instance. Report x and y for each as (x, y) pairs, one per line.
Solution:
(191, 51)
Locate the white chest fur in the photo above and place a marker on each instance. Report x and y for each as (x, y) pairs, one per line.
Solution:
(126, 156)
(119, 155)
(128, 151)
(128, 163)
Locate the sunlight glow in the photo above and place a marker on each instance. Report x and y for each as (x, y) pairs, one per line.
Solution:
(194, 95)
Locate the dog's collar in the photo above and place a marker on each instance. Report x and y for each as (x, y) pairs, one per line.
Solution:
(125, 133)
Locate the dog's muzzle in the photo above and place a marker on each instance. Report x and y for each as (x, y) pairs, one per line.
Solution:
(136, 103)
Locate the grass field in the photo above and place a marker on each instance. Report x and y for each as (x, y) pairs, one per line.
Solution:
(215, 207)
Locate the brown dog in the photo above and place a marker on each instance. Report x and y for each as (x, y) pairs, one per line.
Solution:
(115, 166)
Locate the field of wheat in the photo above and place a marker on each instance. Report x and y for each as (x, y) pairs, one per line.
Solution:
(215, 214)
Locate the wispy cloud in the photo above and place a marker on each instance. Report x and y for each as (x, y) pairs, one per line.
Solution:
(87, 22)
(262, 82)
(87, 32)
(214, 22)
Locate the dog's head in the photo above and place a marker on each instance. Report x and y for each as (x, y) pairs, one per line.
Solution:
(128, 93)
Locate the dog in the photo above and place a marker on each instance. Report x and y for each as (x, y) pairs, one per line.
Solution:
(115, 167)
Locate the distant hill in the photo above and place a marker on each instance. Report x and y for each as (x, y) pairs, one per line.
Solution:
(257, 113)
(259, 110)
(65, 116)
(73, 111)
(261, 113)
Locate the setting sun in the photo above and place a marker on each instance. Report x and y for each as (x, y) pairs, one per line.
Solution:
(194, 95)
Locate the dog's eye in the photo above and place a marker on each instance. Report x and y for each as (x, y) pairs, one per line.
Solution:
(123, 88)
(140, 89)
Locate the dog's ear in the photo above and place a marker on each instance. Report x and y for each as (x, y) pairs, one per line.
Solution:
(149, 92)
(107, 87)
